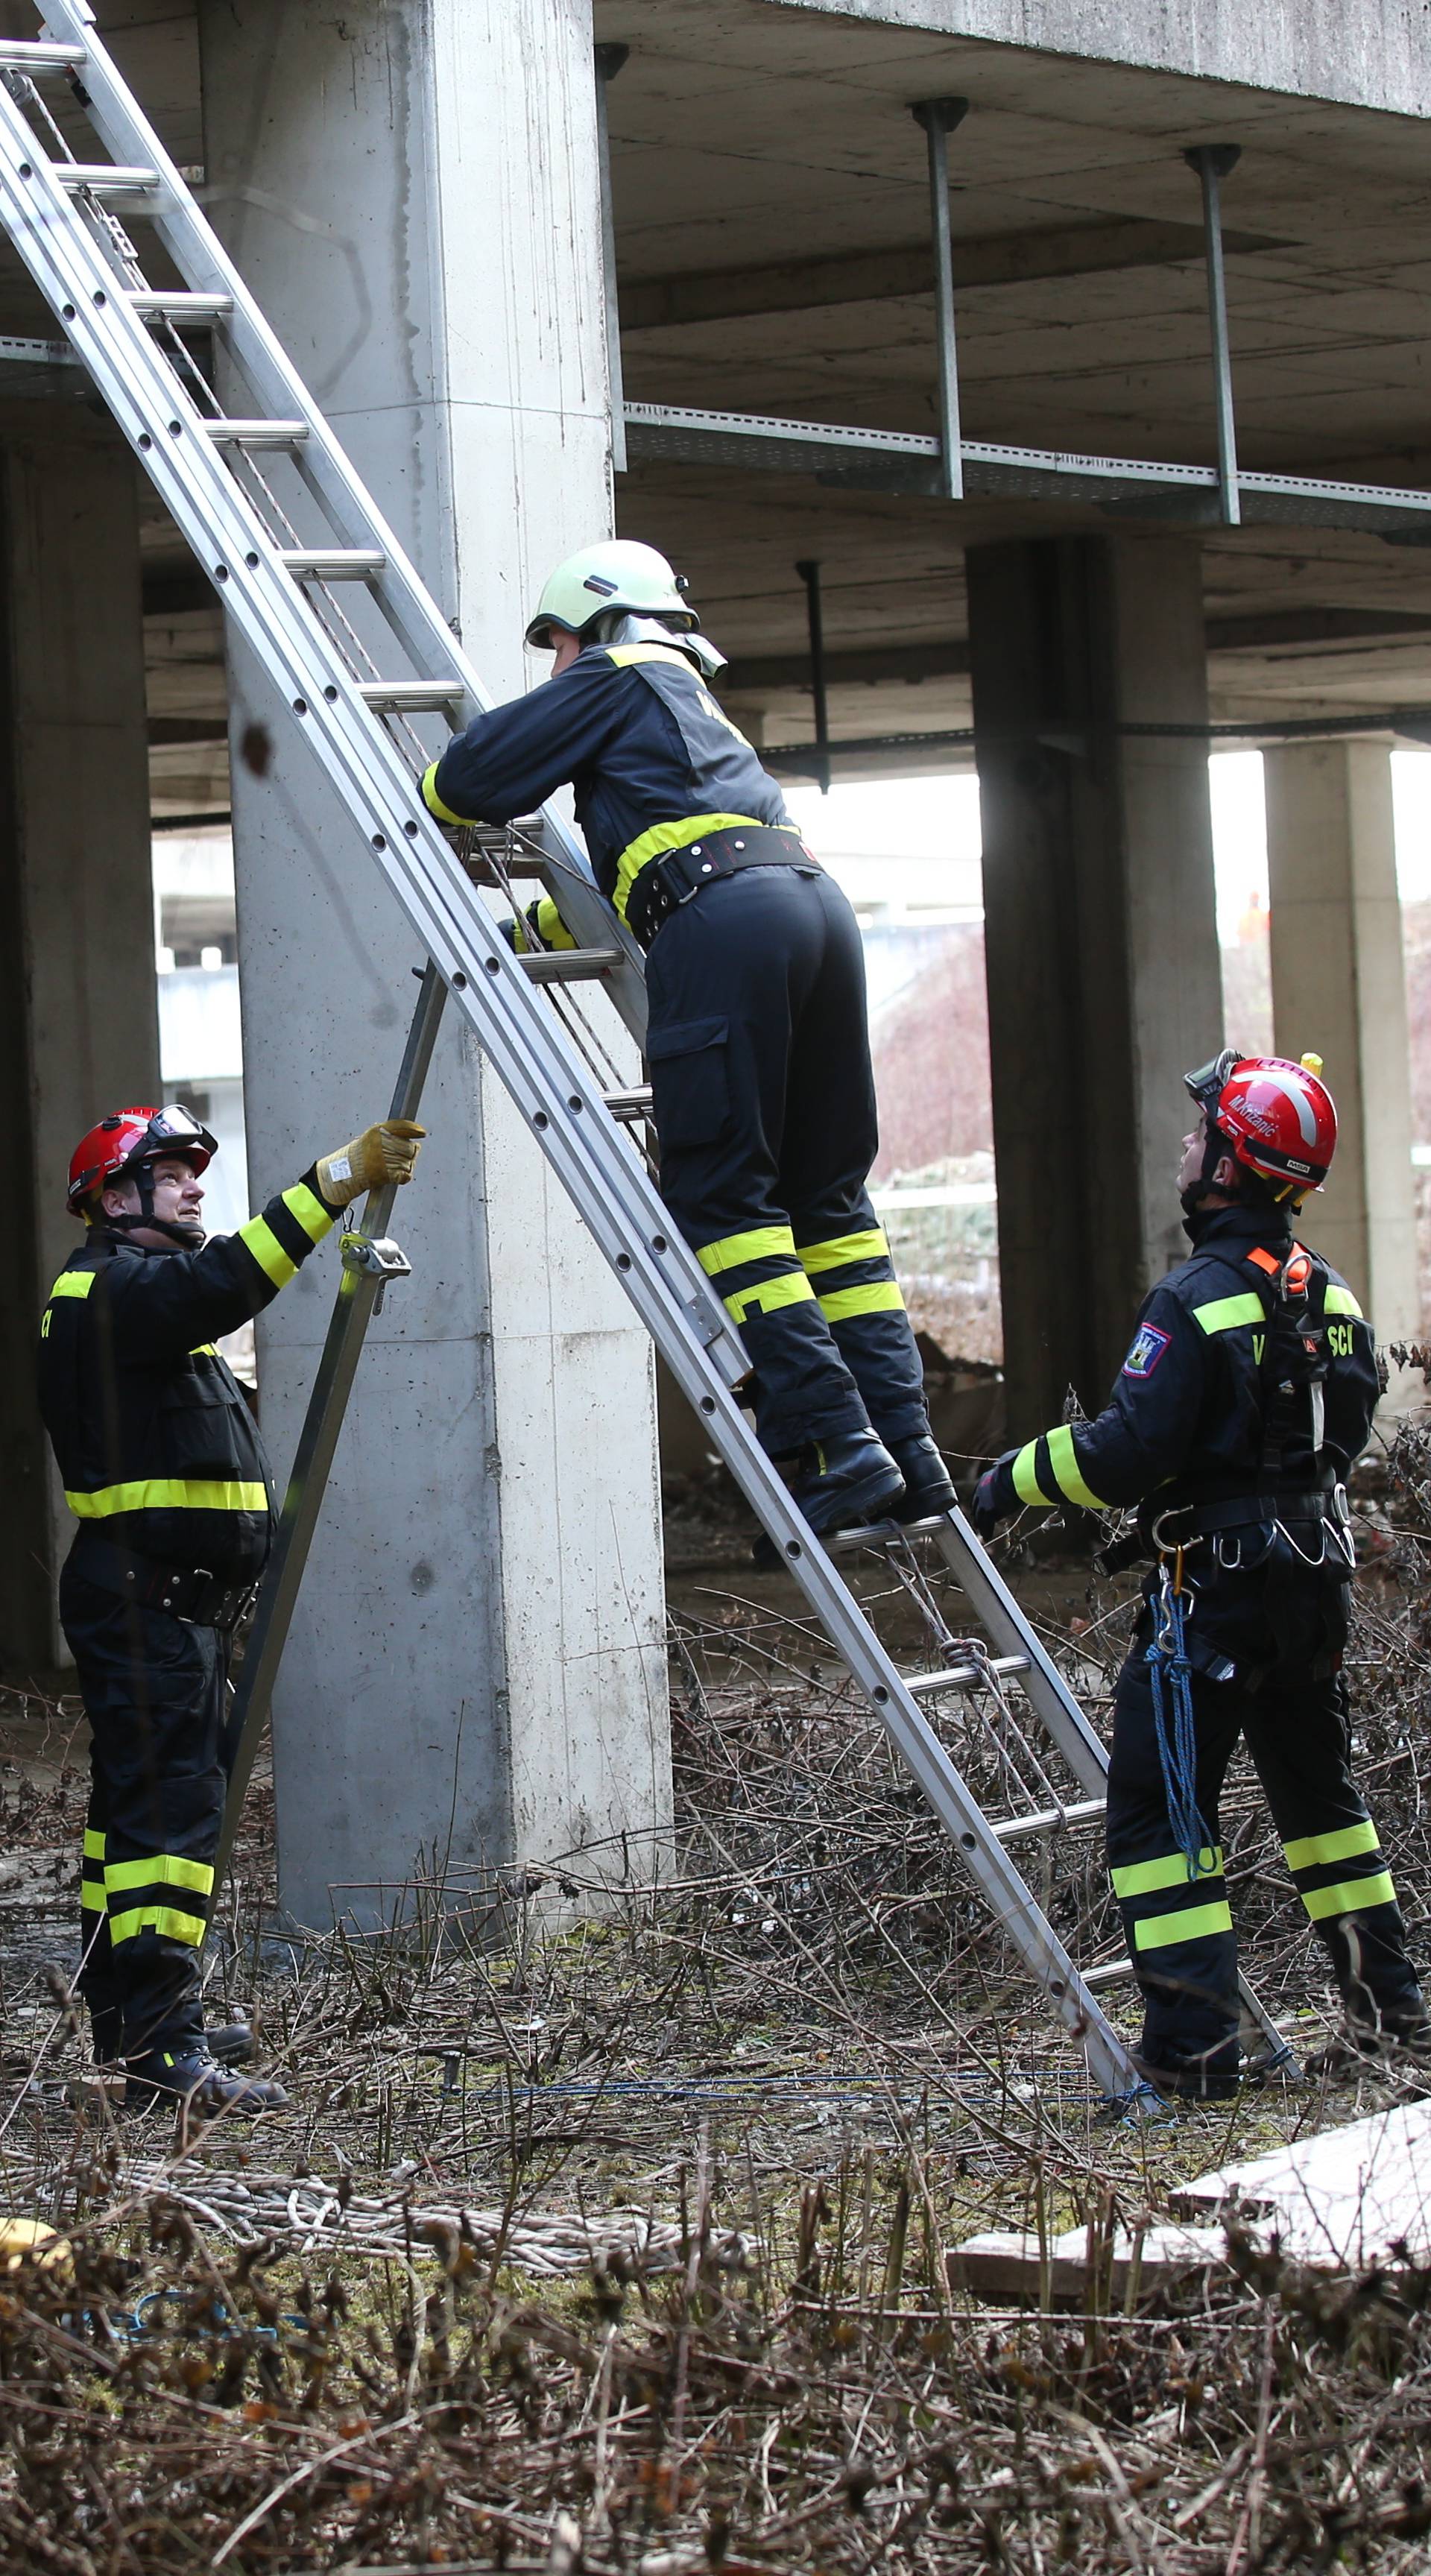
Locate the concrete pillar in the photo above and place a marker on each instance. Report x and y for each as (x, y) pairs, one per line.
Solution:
(1100, 932)
(1339, 988)
(78, 1014)
(477, 1671)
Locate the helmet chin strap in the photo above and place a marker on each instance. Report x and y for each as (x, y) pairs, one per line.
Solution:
(1214, 1147)
(185, 1238)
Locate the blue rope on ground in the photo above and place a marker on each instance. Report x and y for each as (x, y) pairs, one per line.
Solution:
(1171, 1675)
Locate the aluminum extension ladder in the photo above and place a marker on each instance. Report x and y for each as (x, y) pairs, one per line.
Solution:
(279, 520)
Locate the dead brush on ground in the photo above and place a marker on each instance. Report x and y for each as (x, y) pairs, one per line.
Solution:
(329, 2343)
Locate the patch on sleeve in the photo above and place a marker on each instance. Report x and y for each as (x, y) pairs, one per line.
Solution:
(1148, 1348)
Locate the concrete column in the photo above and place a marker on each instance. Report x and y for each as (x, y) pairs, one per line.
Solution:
(1100, 933)
(78, 1013)
(1339, 988)
(477, 1671)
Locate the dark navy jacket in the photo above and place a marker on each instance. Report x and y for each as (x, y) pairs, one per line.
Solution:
(653, 758)
(156, 1447)
(1185, 1417)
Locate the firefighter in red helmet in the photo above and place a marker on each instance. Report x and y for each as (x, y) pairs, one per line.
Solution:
(164, 1470)
(1247, 1392)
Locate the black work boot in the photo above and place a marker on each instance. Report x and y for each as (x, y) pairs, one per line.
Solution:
(928, 1486)
(846, 1479)
(188, 2078)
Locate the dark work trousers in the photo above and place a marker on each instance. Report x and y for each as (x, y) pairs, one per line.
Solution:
(154, 1693)
(1179, 1930)
(764, 1104)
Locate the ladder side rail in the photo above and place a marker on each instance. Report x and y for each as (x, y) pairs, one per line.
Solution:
(165, 428)
(1043, 1684)
(412, 612)
(323, 1419)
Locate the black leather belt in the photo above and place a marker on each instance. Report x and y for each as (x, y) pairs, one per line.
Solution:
(190, 1593)
(666, 883)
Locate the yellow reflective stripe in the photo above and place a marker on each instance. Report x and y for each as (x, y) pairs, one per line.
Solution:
(623, 655)
(162, 1869)
(259, 1238)
(1026, 1483)
(763, 1243)
(1340, 1301)
(791, 1288)
(204, 1351)
(93, 1843)
(876, 1299)
(666, 836)
(91, 1896)
(1345, 1844)
(1354, 1896)
(1146, 1877)
(74, 1283)
(871, 1246)
(1193, 1923)
(1226, 1313)
(1063, 1459)
(167, 1494)
(312, 1215)
(434, 802)
(158, 1918)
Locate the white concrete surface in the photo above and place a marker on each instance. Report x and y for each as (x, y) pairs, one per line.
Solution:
(1339, 989)
(1370, 52)
(477, 1664)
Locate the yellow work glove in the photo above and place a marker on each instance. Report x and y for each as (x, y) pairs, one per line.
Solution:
(381, 1154)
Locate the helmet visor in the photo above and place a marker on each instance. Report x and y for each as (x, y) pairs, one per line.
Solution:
(173, 1130)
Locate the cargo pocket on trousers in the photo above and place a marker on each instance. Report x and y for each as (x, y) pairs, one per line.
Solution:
(690, 1082)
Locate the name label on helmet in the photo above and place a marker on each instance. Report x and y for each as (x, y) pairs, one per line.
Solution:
(1148, 1348)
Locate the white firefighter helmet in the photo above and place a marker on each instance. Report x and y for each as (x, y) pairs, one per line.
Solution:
(618, 574)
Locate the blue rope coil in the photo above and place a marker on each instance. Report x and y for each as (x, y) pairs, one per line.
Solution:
(1171, 1675)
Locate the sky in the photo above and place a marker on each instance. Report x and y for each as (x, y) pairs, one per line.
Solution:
(937, 819)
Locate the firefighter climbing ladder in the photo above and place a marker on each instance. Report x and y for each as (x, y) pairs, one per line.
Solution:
(278, 518)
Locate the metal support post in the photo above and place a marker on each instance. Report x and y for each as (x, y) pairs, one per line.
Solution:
(939, 116)
(809, 572)
(609, 60)
(1212, 162)
(369, 1262)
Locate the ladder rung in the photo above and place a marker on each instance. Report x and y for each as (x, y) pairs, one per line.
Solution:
(964, 1676)
(155, 305)
(16, 57)
(569, 965)
(390, 697)
(629, 1104)
(332, 563)
(104, 178)
(1112, 1973)
(256, 433)
(880, 1533)
(1047, 1820)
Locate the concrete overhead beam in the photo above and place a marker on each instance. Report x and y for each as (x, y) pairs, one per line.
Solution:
(873, 276)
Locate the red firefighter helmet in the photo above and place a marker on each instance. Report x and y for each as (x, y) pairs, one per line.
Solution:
(129, 1137)
(1272, 1113)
